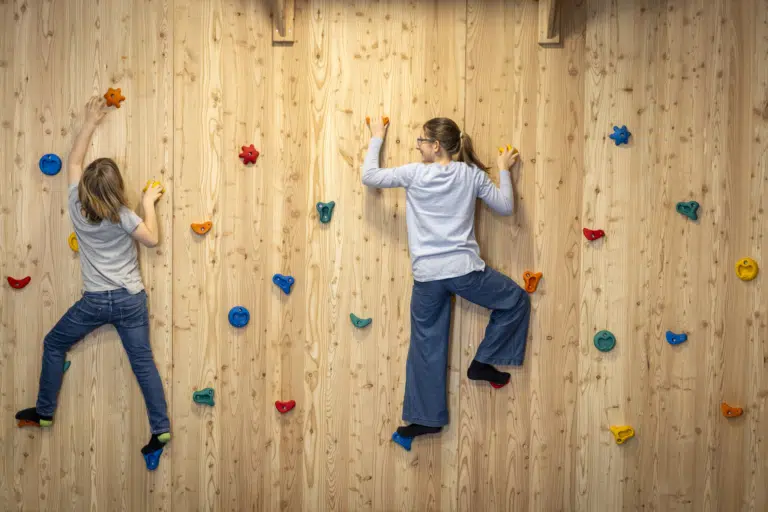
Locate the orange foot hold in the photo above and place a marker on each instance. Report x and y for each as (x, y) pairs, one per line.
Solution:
(730, 412)
(28, 423)
(202, 228)
(531, 280)
(114, 97)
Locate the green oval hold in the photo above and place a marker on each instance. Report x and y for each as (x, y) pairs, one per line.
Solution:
(605, 341)
(204, 396)
(359, 322)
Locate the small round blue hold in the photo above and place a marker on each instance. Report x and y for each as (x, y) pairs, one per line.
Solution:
(403, 441)
(50, 164)
(239, 316)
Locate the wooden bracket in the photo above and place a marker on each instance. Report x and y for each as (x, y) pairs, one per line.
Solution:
(282, 25)
(549, 23)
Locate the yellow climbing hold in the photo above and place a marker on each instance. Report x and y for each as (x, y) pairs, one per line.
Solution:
(72, 241)
(746, 269)
(152, 183)
(509, 147)
(622, 433)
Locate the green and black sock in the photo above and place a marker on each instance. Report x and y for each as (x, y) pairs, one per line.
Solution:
(30, 417)
(156, 442)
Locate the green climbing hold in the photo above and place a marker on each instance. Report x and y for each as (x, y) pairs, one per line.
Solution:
(67, 364)
(359, 322)
(204, 396)
(605, 341)
(689, 209)
(326, 211)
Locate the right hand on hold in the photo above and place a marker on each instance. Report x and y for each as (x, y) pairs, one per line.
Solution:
(378, 128)
(508, 158)
(153, 193)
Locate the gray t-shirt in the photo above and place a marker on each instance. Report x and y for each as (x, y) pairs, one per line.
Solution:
(108, 257)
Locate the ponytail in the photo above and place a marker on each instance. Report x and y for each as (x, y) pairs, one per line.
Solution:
(467, 152)
(453, 140)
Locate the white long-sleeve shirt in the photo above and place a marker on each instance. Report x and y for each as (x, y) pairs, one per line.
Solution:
(440, 211)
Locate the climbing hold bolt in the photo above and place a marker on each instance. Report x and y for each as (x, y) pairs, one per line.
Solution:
(746, 269)
(688, 208)
(326, 211)
(531, 280)
(284, 407)
(283, 282)
(204, 396)
(249, 154)
(622, 433)
(360, 322)
(72, 242)
(730, 412)
(152, 459)
(50, 164)
(67, 364)
(153, 183)
(604, 341)
(114, 97)
(403, 441)
(202, 227)
(676, 339)
(19, 283)
(620, 135)
(239, 316)
(593, 234)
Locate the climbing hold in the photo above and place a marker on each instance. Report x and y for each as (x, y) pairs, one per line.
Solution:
(360, 322)
(27, 423)
(202, 227)
(152, 183)
(326, 211)
(605, 341)
(152, 459)
(114, 97)
(746, 269)
(72, 242)
(620, 135)
(509, 147)
(50, 164)
(730, 412)
(531, 280)
(676, 339)
(284, 407)
(283, 282)
(403, 441)
(593, 234)
(204, 396)
(384, 119)
(239, 316)
(688, 209)
(499, 386)
(249, 154)
(622, 433)
(19, 283)
(67, 364)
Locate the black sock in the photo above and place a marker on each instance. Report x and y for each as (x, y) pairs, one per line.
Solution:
(414, 430)
(31, 415)
(155, 443)
(483, 371)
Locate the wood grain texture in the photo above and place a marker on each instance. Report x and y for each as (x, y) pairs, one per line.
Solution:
(202, 79)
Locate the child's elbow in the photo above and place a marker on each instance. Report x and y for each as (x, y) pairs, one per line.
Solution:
(507, 210)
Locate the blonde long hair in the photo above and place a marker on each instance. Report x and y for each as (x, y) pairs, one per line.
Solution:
(101, 191)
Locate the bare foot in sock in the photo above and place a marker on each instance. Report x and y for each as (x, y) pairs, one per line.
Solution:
(483, 371)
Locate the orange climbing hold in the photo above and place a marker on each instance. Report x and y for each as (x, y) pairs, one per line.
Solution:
(730, 412)
(202, 227)
(114, 97)
(531, 280)
(384, 120)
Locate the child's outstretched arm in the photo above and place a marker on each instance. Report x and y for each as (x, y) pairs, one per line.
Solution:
(147, 233)
(499, 199)
(375, 176)
(95, 110)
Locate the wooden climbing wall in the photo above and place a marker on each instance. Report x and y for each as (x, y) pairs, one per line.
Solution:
(202, 78)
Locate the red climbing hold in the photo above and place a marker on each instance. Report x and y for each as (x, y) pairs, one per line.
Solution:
(249, 154)
(590, 234)
(19, 283)
(284, 407)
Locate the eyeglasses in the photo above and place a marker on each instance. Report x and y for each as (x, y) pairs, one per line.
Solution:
(420, 141)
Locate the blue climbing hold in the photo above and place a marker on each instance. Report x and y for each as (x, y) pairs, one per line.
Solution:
(326, 211)
(239, 316)
(67, 364)
(50, 164)
(403, 441)
(676, 339)
(283, 282)
(620, 135)
(152, 459)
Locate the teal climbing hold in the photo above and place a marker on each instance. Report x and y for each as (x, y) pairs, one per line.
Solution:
(360, 322)
(67, 364)
(605, 341)
(689, 209)
(326, 211)
(204, 396)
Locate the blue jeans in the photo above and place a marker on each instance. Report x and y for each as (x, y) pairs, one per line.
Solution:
(130, 316)
(426, 394)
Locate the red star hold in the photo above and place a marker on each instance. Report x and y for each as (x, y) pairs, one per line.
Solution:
(249, 154)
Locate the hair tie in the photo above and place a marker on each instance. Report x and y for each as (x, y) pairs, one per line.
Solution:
(461, 134)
